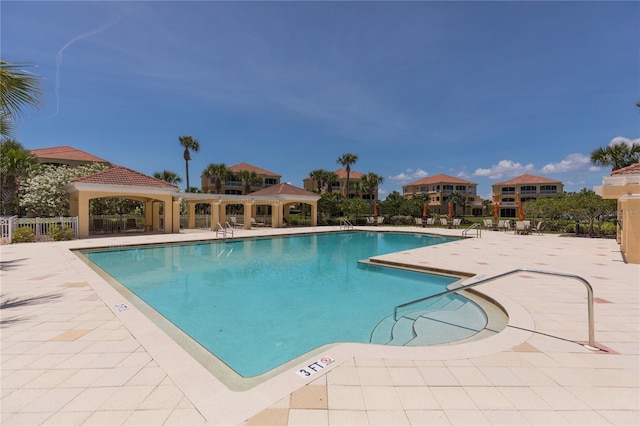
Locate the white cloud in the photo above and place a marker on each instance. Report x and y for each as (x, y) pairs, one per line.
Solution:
(620, 139)
(571, 163)
(504, 168)
(408, 175)
(463, 175)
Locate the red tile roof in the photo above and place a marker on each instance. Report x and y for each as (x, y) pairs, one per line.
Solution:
(526, 178)
(250, 167)
(66, 153)
(284, 189)
(122, 176)
(342, 174)
(633, 169)
(440, 178)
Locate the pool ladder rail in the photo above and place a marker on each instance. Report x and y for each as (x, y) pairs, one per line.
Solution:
(590, 312)
(345, 224)
(224, 230)
(475, 225)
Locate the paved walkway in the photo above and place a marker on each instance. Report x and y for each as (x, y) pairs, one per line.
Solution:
(70, 356)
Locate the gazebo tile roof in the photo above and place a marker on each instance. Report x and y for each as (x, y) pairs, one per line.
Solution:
(122, 176)
(284, 189)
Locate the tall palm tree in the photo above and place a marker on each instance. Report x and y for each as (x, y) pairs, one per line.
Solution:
(317, 176)
(218, 171)
(248, 178)
(189, 144)
(329, 178)
(168, 176)
(16, 162)
(346, 161)
(17, 90)
(617, 155)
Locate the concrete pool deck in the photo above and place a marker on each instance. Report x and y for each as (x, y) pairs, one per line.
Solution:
(71, 353)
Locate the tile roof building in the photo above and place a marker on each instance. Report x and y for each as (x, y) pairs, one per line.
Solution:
(523, 188)
(340, 185)
(66, 155)
(439, 189)
(235, 186)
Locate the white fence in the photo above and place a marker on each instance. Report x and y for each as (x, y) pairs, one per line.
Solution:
(41, 226)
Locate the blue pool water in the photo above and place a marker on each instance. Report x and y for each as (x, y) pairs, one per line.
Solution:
(259, 303)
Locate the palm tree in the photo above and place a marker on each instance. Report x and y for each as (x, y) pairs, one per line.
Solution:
(316, 175)
(457, 199)
(168, 176)
(329, 178)
(248, 178)
(189, 144)
(17, 90)
(16, 162)
(346, 160)
(370, 183)
(617, 155)
(218, 171)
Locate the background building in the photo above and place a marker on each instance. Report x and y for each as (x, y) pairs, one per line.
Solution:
(236, 185)
(66, 155)
(440, 188)
(522, 189)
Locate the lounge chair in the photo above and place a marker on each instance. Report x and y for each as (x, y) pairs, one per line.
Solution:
(371, 221)
(521, 228)
(457, 222)
(540, 228)
(431, 221)
(235, 223)
(444, 222)
(488, 223)
(380, 220)
(507, 226)
(256, 224)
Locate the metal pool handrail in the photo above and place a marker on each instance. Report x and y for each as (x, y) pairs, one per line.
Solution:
(346, 224)
(473, 225)
(592, 344)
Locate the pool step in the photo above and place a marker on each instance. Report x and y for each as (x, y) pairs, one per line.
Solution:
(445, 321)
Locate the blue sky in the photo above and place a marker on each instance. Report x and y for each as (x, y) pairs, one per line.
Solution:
(484, 91)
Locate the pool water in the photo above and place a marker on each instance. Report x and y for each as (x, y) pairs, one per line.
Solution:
(258, 303)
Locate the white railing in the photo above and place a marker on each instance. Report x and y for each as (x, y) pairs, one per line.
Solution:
(41, 226)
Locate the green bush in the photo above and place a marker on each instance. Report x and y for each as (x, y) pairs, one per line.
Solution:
(61, 234)
(402, 220)
(608, 228)
(24, 234)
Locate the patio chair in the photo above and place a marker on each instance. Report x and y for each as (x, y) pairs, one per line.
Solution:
(235, 223)
(456, 222)
(418, 221)
(371, 221)
(431, 221)
(444, 222)
(540, 228)
(380, 220)
(521, 228)
(488, 223)
(507, 226)
(255, 224)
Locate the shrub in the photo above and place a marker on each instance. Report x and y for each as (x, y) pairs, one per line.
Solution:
(402, 220)
(61, 234)
(24, 234)
(608, 228)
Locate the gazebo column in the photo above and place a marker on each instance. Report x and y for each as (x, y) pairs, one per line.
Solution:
(79, 206)
(314, 213)
(248, 207)
(148, 215)
(192, 216)
(156, 216)
(215, 214)
(276, 215)
(286, 213)
(172, 218)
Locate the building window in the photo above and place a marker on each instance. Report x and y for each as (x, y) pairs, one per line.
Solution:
(461, 188)
(508, 190)
(548, 189)
(270, 182)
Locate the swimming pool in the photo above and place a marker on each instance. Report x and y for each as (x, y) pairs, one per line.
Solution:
(258, 303)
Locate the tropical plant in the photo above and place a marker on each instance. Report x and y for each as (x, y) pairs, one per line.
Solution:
(16, 163)
(64, 233)
(370, 183)
(218, 171)
(317, 176)
(457, 199)
(248, 178)
(617, 155)
(346, 161)
(189, 144)
(168, 176)
(18, 89)
(393, 203)
(43, 194)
